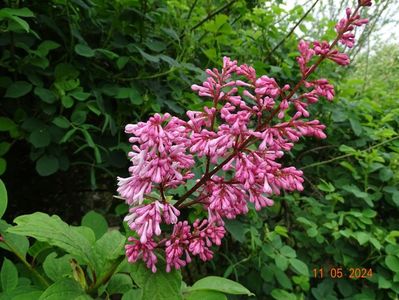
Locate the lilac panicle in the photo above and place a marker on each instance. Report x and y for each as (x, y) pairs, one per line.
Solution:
(239, 142)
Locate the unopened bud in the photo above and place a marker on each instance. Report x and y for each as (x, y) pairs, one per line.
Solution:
(365, 3)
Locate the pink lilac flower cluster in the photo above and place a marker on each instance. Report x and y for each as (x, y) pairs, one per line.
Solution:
(239, 141)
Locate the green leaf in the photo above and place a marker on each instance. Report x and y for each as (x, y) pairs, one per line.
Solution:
(40, 137)
(9, 276)
(55, 232)
(64, 71)
(61, 122)
(47, 165)
(27, 293)
(279, 294)
(236, 229)
(119, 284)
(129, 93)
(66, 289)
(6, 124)
(282, 279)
(288, 251)
(4, 147)
(20, 12)
(45, 47)
(3, 198)
(107, 53)
(44, 94)
(18, 89)
(385, 174)
(281, 262)
(149, 57)
(15, 243)
(96, 222)
(159, 285)
(68, 135)
(84, 50)
(206, 295)
(67, 101)
(57, 268)
(21, 24)
(133, 294)
(383, 283)
(220, 284)
(78, 117)
(356, 126)
(299, 266)
(362, 237)
(392, 263)
(79, 95)
(107, 249)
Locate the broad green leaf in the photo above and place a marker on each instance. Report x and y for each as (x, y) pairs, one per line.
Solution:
(9, 276)
(129, 93)
(47, 165)
(299, 266)
(383, 283)
(55, 232)
(57, 268)
(282, 279)
(236, 229)
(279, 294)
(362, 237)
(65, 71)
(385, 174)
(68, 135)
(18, 89)
(26, 293)
(66, 289)
(84, 50)
(288, 251)
(159, 285)
(96, 222)
(119, 284)
(79, 95)
(67, 101)
(46, 95)
(133, 294)
(6, 124)
(78, 117)
(220, 284)
(356, 126)
(392, 262)
(107, 53)
(20, 12)
(149, 57)
(3, 198)
(20, 24)
(205, 295)
(15, 243)
(61, 122)
(4, 147)
(45, 47)
(107, 249)
(40, 137)
(281, 262)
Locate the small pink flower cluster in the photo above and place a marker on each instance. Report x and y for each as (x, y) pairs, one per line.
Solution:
(239, 141)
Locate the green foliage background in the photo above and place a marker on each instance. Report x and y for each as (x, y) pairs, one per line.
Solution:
(74, 72)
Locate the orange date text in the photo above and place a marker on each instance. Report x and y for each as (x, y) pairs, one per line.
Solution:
(341, 272)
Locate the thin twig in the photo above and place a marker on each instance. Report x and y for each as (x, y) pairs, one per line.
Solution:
(349, 154)
(291, 31)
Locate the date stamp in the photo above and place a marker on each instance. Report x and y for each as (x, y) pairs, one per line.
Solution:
(341, 272)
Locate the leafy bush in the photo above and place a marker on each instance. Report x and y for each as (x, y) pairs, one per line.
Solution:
(73, 71)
